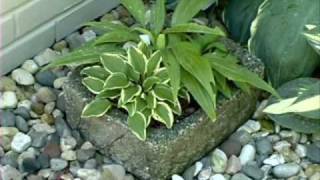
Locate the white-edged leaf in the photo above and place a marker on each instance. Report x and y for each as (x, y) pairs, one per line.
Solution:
(158, 15)
(151, 100)
(95, 71)
(141, 104)
(163, 114)
(136, 8)
(133, 74)
(106, 93)
(96, 108)
(138, 125)
(162, 73)
(113, 63)
(153, 62)
(176, 108)
(279, 107)
(130, 107)
(147, 113)
(164, 92)
(116, 81)
(137, 59)
(93, 84)
(127, 94)
(149, 82)
(195, 28)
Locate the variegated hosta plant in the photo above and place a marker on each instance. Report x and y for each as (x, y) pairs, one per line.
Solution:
(136, 83)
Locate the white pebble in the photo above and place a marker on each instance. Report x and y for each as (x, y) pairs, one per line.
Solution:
(281, 145)
(22, 77)
(46, 57)
(217, 177)
(30, 66)
(301, 150)
(58, 83)
(20, 142)
(199, 166)
(247, 154)
(8, 100)
(177, 177)
(25, 103)
(274, 160)
(251, 126)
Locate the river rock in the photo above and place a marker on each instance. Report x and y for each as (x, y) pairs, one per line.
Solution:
(286, 170)
(20, 142)
(219, 161)
(247, 154)
(8, 99)
(30, 66)
(22, 77)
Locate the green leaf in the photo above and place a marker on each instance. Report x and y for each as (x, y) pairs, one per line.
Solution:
(195, 28)
(222, 84)
(108, 26)
(238, 73)
(93, 84)
(137, 59)
(130, 107)
(144, 48)
(151, 100)
(106, 93)
(187, 9)
(138, 125)
(173, 70)
(184, 94)
(199, 93)
(96, 108)
(158, 15)
(133, 74)
(141, 104)
(147, 113)
(153, 63)
(116, 81)
(113, 63)
(117, 37)
(163, 114)
(161, 41)
(127, 94)
(149, 82)
(95, 71)
(162, 73)
(164, 92)
(136, 8)
(176, 108)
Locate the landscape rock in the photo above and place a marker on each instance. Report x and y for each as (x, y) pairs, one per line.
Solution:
(30, 66)
(219, 161)
(286, 170)
(89, 174)
(253, 171)
(8, 99)
(217, 177)
(234, 165)
(240, 176)
(264, 146)
(313, 153)
(247, 154)
(231, 147)
(274, 160)
(46, 95)
(46, 57)
(23, 112)
(7, 84)
(9, 173)
(7, 118)
(22, 124)
(46, 78)
(113, 171)
(20, 142)
(22, 77)
(30, 165)
(58, 164)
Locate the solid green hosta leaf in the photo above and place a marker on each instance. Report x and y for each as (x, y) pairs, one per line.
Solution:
(113, 63)
(130, 107)
(195, 28)
(153, 63)
(136, 8)
(158, 15)
(149, 82)
(151, 100)
(161, 41)
(187, 9)
(173, 70)
(117, 37)
(163, 114)
(108, 26)
(138, 125)
(162, 73)
(127, 94)
(238, 73)
(199, 93)
(109, 94)
(96, 108)
(137, 59)
(164, 92)
(116, 81)
(94, 85)
(95, 71)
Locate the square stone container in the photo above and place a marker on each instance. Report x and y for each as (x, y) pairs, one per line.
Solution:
(166, 151)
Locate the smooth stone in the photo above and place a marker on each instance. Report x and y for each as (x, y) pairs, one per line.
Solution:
(260, 158)
(59, 46)
(234, 165)
(44, 160)
(274, 160)
(231, 147)
(52, 150)
(75, 40)
(62, 128)
(69, 155)
(176, 177)
(46, 78)
(90, 164)
(20, 142)
(38, 138)
(68, 143)
(217, 177)
(5, 143)
(286, 170)
(46, 57)
(89, 174)
(315, 137)
(251, 126)
(264, 146)
(290, 156)
(37, 108)
(313, 153)
(113, 171)
(30, 165)
(47, 118)
(30, 66)
(7, 118)
(23, 112)
(190, 173)
(281, 145)
(8, 131)
(2, 153)
(241, 136)
(198, 168)
(58, 164)
(43, 127)
(8, 99)
(22, 77)
(240, 176)
(219, 161)
(49, 108)
(89, 35)
(22, 124)
(86, 152)
(253, 171)
(34, 177)
(58, 83)
(9, 173)
(61, 102)
(7, 84)
(316, 176)
(46, 95)
(205, 174)
(247, 154)
(10, 158)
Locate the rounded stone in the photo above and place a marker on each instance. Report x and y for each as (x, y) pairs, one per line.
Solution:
(240, 176)
(247, 154)
(69, 155)
(23, 112)
(47, 118)
(313, 153)
(22, 77)
(7, 84)
(30, 165)
(52, 150)
(234, 165)
(58, 164)
(30, 66)
(37, 107)
(22, 124)
(274, 160)
(217, 177)
(114, 171)
(20, 142)
(46, 78)
(44, 160)
(7, 119)
(253, 171)
(46, 95)
(90, 174)
(9, 173)
(68, 143)
(219, 161)
(286, 170)
(8, 99)
(264, 146)
(231, 147)
(10, 158)
(241, 136)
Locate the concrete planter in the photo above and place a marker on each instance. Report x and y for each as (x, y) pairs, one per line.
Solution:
(166, 151)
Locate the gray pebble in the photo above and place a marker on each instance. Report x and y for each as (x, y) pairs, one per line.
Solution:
(46, 78)
(253, 171)
(46, 95)
(10, 158)
(286, 170)
(241, 136)
(7, 118)
(23, 112)
(264, 146)
(240, 176)
(313, 153)
(58, 164)
(22, 124)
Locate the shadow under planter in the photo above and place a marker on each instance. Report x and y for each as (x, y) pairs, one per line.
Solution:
(166, 151)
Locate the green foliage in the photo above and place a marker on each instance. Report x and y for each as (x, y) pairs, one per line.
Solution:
(312, 33)
(277, 38)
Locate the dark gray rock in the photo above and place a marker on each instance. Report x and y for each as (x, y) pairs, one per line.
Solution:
(7, 118)
(61, 103)
(30, 165)
(10, 158)
(23, 112)
(231, 147)
(44, 160)
(253, 171)
(38, 138)
(62, 127)
(313, 153)
(46, 78)
(166, 151)
(22, 124)
(264, 146)
(242, 136)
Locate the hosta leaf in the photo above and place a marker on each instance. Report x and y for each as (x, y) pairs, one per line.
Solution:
(187, 9)
(116, 81)
(94, 85)
(236, 72)
(147, 113)
(96, 108)
(149, 82)
(173, 70)
(133, 74)
(136, 8)
(162, 73)
(151, 100)
(147, 36)
(161, 41)
(130, 107)
(279, 107)
(143, 47)
(199, 93)
(195, 28)
(117, 37)
(158, 15)
(127, 94)
(141, 104)
(107, 26)
(164, 92)
(137, 59)
(163, 114)
(218, 46)
(184, 94)
(176, 108)
(109, 94)
(138, 125)
(95, 71)
(113, 63)
(153, 63)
